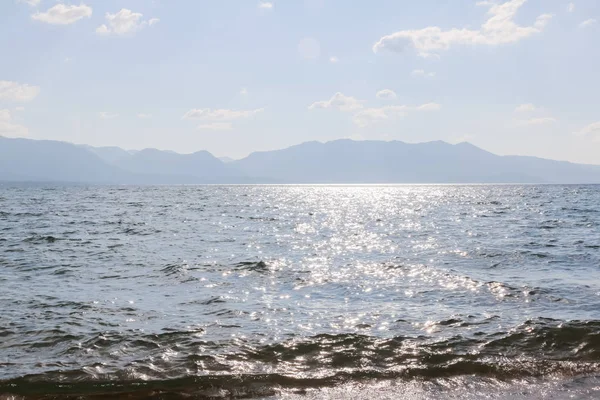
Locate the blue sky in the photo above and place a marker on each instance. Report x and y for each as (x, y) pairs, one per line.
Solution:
(236, 76)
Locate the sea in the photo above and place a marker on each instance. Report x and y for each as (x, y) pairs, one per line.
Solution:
(299, 292)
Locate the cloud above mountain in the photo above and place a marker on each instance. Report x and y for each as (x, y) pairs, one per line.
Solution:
(499, 28)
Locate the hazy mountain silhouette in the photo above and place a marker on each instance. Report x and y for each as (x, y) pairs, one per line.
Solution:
(111, 155)
(46, 160)
(199, 166)
(340, 161)
(347, 161)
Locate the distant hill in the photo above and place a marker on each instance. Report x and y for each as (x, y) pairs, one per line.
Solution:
(46, 160)
(200, 166)
(347, 161)
(111, 155)
(340, 161)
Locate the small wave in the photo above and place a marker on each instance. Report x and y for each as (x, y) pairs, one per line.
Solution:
(175, 269)
(255, 386)
(41, 239)
(259, 266)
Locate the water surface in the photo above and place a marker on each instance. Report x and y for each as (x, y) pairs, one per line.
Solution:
(300, 291)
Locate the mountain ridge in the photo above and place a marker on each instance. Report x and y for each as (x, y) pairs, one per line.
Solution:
(341, 161)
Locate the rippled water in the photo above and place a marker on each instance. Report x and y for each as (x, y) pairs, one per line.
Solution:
(300, 291)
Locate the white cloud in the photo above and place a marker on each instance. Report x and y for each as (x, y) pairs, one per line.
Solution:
(17, 92)
(102, 30)
(386, 94)
(32, 3)
(571, 7)
(588, 22)
(9, 128)
(208, 114)
(244, 92)
(339, 101)
(216, 126)
(333, 59)
(539, 121)
(19, 108)
(144, 116)
(500, 28)
(124, 22)
(591, 130)
(107, 115)
(367, 116)
(265, 5)
(526, 108)
(421, 72)
(62, 14)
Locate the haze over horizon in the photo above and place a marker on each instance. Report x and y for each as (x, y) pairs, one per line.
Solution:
(516, 77)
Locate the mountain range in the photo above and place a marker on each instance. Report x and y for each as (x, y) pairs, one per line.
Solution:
(339, 161)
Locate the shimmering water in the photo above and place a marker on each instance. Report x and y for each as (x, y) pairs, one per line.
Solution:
(300, 291)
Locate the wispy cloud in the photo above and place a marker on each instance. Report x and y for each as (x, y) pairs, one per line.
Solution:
(386, 94)
(571, 7)
(107, 115)
(209, 114)
(333, 60)
(422, 73)
(522, 108)
(588, 22)
(592, 130)
(429, 107)
(144, 116)
(418, 72)
(32, 3)
(338, 101)
(500, 28)
(18, 92)
(265, 5)
(368, 116)
(219, 119)
(539, 121)
(364, 116)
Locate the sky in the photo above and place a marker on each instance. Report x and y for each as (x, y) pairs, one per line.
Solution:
(236, 76)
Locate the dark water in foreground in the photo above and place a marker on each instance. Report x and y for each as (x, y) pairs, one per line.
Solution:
(300, 292)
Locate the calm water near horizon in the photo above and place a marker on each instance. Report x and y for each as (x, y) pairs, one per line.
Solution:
(432, 291)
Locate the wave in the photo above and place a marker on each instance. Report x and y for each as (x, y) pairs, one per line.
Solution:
(240, 368)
